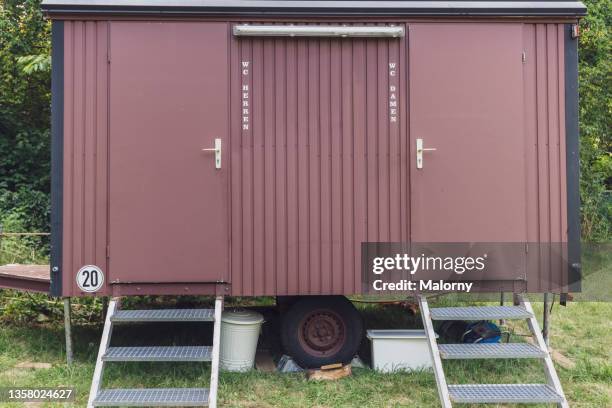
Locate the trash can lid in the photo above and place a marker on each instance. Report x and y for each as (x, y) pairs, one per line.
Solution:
(242, 317)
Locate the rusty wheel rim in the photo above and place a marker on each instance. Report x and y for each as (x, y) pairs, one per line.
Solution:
(322, 333)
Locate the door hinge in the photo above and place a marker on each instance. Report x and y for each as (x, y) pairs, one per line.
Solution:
(527, 248)
(524, 57)
(107, 251)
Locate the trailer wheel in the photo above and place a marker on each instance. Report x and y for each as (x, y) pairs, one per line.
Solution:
(320, 330)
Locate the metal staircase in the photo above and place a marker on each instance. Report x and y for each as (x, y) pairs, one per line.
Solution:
(551, 392)
(161, 397)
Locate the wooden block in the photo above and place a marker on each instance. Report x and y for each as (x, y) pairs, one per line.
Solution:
(30, 364)
(331, 366)
(558, 357)
(330, 374)
(562, 360)
(264, 361)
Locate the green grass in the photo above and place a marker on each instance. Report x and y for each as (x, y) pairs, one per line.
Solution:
(580, 331)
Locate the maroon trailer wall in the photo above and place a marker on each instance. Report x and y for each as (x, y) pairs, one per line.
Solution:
(322, 165)
(85, 164)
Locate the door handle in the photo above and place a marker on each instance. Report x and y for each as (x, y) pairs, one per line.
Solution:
(217, 150)
(419, 152)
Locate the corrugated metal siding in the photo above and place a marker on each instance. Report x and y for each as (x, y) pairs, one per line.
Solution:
(85, 148)
(544, 120)
(320, 168)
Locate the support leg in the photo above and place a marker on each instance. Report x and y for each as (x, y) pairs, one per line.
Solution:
(68, 330)
(546, 320)
(104, 307)
(501, 303)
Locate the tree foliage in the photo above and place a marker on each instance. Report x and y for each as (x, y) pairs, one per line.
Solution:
(596, 121)
(25, 112)
(35, 63)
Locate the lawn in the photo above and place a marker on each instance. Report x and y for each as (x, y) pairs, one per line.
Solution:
(581, 332)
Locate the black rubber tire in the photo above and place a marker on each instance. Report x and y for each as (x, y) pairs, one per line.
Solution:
(342, 308)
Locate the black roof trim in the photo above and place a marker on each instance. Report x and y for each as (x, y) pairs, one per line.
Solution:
(318, 8)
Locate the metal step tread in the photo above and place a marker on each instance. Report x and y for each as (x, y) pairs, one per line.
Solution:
(159, 353)
(490, 350)
(479, 313)
(164, 315)
(145, 397)
(503, 393)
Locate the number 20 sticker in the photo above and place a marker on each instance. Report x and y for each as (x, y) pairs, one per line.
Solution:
(90, 278)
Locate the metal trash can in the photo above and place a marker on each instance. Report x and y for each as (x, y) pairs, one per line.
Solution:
(239, 335)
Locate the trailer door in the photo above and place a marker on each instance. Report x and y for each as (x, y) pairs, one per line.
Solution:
(466, 102)
(168, 196)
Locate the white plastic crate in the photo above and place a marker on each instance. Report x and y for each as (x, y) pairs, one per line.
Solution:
(394, 350)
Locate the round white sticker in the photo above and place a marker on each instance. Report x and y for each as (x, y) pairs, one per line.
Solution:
(90, 278)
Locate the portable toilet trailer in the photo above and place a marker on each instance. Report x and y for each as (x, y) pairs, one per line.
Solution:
(249, 148)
